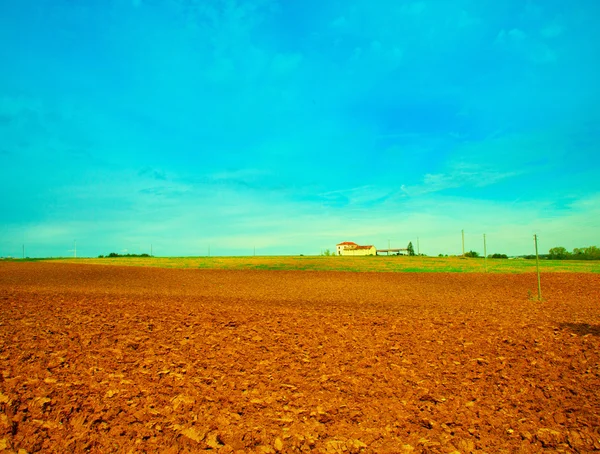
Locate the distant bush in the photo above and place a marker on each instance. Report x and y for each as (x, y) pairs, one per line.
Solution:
(472, 254)
(114, 254)
(497, 256)
(532, 256)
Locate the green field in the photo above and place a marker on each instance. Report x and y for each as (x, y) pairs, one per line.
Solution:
(372, 263)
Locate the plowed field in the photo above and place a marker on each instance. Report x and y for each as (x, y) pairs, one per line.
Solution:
(123, 359)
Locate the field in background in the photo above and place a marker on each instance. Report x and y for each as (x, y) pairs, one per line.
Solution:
(377, 264)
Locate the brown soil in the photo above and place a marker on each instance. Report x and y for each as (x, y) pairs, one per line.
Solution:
(113, 359)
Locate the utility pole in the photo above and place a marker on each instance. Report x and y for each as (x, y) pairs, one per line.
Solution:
(254, 251)
(537, 265)
(463, 242)
(484, 253)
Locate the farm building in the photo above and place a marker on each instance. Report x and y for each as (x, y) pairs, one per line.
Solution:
(350, 248)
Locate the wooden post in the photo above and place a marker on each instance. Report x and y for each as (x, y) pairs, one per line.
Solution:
(484, 253)
(537, 265)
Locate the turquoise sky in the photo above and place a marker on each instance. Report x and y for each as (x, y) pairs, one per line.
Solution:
(292, 126)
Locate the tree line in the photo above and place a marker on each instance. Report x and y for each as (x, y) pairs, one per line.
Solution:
(579, 253)
(475, 254)
(114, 254)
(556, 253)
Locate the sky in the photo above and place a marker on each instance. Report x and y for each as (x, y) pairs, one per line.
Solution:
(287, 127)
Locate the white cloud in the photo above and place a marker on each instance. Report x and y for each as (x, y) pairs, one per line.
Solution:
(543, 54)
(517, 35)
(339, 22)
(284, 64)
(466, 19)
(552, 30)
(505, 38)
(414, 8)
(529, 47)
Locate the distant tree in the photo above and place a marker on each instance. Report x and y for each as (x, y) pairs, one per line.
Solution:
(593, 252)
(327, 252)
(497, 256)
(586, 253)
(559, 253)
(472, 254)
(411, 249)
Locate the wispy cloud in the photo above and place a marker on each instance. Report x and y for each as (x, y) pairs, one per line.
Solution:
(156, 174)
(552, 30)
(519, 43)
(466, 176)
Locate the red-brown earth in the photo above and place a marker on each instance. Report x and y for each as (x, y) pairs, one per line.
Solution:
(119, 359)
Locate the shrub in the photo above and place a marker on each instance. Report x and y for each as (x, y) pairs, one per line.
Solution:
(114, 254)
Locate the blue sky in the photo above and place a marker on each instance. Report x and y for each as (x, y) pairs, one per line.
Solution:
(292, 126)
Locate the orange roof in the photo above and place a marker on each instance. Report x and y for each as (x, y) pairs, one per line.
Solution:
(350, 246)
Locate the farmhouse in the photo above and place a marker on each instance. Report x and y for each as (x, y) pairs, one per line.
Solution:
(350, 248)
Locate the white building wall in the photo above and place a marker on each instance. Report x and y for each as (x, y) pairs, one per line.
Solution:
(352, 252)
